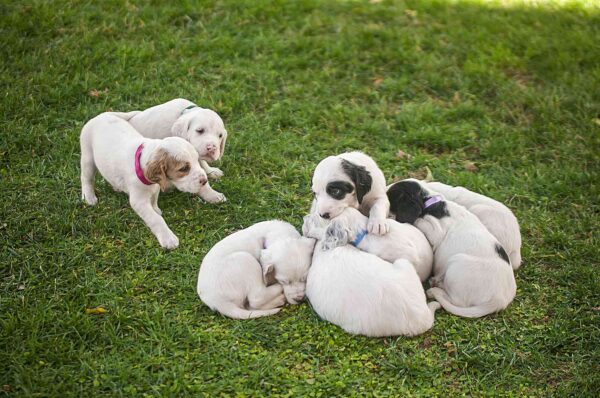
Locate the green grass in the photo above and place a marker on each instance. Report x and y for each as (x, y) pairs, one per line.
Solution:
(512, 87)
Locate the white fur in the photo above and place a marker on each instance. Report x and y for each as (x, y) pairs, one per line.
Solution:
(108, 145)
(375, 203)
(402, 241)
(498, 219)
(364, 294)
(235, 272)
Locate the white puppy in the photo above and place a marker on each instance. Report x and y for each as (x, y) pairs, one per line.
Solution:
(352, 180)
(363, 294)
(140, 167)
(202, 127)
(498, 219)
(402, 241)
(472, 272)
(236, 274)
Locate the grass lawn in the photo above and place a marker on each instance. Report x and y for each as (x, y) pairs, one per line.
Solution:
(502, 97)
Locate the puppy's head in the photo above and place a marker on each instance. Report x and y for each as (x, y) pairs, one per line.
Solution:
(288, 261)
(338, 184)
(407, 201)
(205, 130)
(176, 162)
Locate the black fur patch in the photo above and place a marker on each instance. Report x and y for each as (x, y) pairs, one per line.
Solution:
(360, 177)
(502, 253)
(407, 202)
(339, 189)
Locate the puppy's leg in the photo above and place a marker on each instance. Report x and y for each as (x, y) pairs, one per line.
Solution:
(212, 172)
(141, 202)
(88, 170)
(155, 203)
(378, 224)
(210, 195)
(265, 298)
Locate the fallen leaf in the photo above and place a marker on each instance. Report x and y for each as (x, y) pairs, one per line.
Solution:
(411, 13)
(429, 175)
(94, 93)
(597, 121)
(310, 381)
(470, 166)
(6, 387)
(456, 97)
(20, 287)
(403, 155)
(377, 80)
(95, 311)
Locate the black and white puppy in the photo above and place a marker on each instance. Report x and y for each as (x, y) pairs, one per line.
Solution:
(351, 179)
(473, 276)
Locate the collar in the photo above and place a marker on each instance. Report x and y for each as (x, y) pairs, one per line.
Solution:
(431, 200)
(138, 167)
(187, 108)
(361, 235)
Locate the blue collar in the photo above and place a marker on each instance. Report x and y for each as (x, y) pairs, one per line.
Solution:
(361, 235)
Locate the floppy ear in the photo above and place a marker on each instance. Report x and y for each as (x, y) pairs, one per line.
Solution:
(360, 177)
(181, 125)
(335, 235)
(156, 169)
(405, 202)
(222, 148)
(268, 269)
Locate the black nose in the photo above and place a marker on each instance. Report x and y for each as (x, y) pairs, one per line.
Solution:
(325, 216)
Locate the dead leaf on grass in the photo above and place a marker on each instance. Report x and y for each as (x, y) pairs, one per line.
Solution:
(96, 310)
(411, 13)
(470, 166)
(597, 121)
(94, 93)
(403, 155)
(377, 80)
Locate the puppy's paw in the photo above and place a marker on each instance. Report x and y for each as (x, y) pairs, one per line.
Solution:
(214, 197)
(378, 226)
(90, 198)
(435, 281)
(214, 173)
(429, 293)
(168, 240)
(279, 301)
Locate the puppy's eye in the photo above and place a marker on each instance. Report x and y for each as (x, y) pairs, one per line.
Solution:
(221, 135)
(200, 130)
(185, 168)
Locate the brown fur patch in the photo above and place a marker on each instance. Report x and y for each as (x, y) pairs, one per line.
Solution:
(163, 167)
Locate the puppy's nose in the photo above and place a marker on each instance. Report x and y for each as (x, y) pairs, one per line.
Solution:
(325, 216)
(211, 148)
(203, 181)
(299, 297)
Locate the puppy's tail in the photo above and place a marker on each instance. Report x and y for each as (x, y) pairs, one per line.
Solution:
(233, 311)
(125, 115)
(467, 312)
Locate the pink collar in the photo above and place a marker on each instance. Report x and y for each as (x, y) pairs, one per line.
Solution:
(138, 166)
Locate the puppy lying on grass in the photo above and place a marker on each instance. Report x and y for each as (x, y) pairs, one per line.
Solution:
(252, 272)
(402, 241)
(472, 272)
(139, 166)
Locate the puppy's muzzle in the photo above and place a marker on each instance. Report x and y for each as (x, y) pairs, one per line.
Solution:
(326, 216)
(202, 180)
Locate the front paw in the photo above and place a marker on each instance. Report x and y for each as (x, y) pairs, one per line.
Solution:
(90, 198)
(168, 240)
(214, 197)
(214, 173)
(378, 226)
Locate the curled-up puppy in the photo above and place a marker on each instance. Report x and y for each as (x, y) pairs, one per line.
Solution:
(351, 179)
(402, 241)
(252, 272)
(363, 294)
(140, 167)
(202, 127)
(497, 218)
(472, 275)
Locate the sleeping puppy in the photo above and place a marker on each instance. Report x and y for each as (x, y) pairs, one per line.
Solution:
(402, 241)
(252, 272)
(363, 294)
(351, 179)
(472, 272)
(498, 219)
(140, 167)
(203, 128)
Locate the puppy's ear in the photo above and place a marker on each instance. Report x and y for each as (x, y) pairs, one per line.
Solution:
(335, 235)
(406, 201)
(360, 177)
(156, 169)
(181, 125)
(222, 147)
(268, 268)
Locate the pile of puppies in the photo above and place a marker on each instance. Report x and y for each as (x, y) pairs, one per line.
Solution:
(366, 250)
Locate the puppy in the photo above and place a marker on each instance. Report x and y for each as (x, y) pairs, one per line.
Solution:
(498, 219)
(236, 274)
(402, 241)
(203, 128)
(352, 180)
(363, 294)
(472, 272)
(139, 166)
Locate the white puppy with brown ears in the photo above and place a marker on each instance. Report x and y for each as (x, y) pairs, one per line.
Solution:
(472, 272)
(252, 272)
(202, 127)
(351, 179)
(403, 241)
(140, 167)
(496, 217)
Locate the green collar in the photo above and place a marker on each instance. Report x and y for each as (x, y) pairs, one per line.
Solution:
(188, 108)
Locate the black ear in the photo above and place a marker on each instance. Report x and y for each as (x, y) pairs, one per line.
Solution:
(406, 201)
(360, 177)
